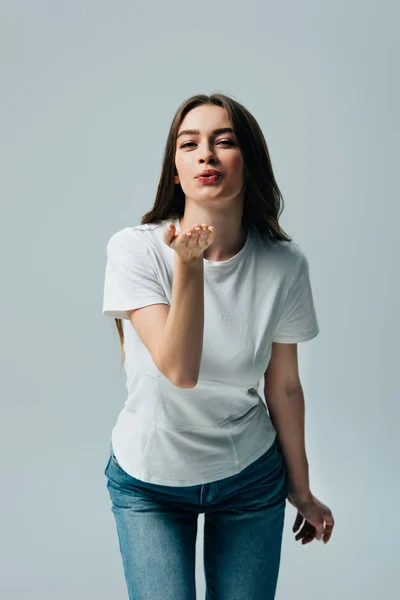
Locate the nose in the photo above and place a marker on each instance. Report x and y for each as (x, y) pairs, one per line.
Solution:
(208, 157)
(206, 152)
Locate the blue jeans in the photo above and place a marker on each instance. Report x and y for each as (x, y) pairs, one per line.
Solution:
(243, 524)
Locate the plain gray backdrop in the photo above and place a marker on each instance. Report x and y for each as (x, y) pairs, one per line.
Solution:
(88, 93)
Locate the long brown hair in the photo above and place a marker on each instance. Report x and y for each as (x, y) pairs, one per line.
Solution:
(263, 201)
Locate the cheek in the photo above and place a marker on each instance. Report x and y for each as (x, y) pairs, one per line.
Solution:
(236, 167)
(184, 167)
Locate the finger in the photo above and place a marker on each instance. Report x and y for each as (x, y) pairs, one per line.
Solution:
(203, 234)
(197, 232)
(169, 230)
(326, 537)
(170, 233)
(193, 238)
(328, 529)
(307, 539)
(168, 236)
(305, 530)
(188, 236)
(298, 521)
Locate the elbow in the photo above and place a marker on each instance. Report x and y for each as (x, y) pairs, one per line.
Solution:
(177, 379)
(184, 384)
(187, 383)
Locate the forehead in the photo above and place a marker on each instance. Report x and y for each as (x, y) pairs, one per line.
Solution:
(205, 118)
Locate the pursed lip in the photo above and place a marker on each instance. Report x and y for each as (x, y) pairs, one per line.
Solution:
(208, 172)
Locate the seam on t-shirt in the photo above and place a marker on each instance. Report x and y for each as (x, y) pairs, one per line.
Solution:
(289, 290)
(293, 283)
(194, 427)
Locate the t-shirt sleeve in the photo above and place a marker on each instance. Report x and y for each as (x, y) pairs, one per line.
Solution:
(130, 280)
(299, 321)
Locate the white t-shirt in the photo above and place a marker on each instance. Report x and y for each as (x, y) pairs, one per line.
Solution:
(182, 437)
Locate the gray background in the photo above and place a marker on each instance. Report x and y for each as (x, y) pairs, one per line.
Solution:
(88, 93)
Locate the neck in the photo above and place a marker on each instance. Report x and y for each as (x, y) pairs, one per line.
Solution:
(227, 242)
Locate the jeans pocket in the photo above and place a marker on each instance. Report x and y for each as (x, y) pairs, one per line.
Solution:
(112, 455)
(112, 461)
(107, 465)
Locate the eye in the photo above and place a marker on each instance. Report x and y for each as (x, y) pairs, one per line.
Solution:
(229, 142)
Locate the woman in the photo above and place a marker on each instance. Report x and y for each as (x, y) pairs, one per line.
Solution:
(214, 297)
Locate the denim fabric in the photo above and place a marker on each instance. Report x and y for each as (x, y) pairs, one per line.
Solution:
(243, 525)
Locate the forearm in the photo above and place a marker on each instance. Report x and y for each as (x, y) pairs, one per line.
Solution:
(287, 413)
(182, 342)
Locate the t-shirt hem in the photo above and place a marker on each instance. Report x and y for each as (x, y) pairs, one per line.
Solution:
(208, 479)
(120, 312)
(294, 339)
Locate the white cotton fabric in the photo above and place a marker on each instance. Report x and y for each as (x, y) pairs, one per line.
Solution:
(182, 437)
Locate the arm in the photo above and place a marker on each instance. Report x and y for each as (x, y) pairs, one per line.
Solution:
(181, 344)
(285, 401)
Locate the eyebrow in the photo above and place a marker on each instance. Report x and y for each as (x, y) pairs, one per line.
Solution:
(196, 131)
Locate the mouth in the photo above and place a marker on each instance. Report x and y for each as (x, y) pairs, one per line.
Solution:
(209, 178)
(206, 172)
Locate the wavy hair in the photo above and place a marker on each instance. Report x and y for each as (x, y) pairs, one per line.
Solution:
(263, 201)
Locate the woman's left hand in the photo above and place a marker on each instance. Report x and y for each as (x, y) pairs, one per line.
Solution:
(315, 514)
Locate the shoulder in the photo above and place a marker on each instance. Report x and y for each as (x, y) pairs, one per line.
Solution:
(122, 241)
(143, 242)
(288, 256)
(130, 236)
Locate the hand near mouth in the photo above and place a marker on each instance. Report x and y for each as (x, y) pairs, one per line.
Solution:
(190, 244)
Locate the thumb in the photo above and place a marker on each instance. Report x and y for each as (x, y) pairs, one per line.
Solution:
(169, 231)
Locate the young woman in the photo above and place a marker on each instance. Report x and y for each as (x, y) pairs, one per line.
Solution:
(210, 298)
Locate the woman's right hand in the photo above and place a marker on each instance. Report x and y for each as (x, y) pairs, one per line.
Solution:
(189, 247)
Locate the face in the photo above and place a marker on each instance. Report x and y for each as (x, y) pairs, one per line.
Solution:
(196, 152)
